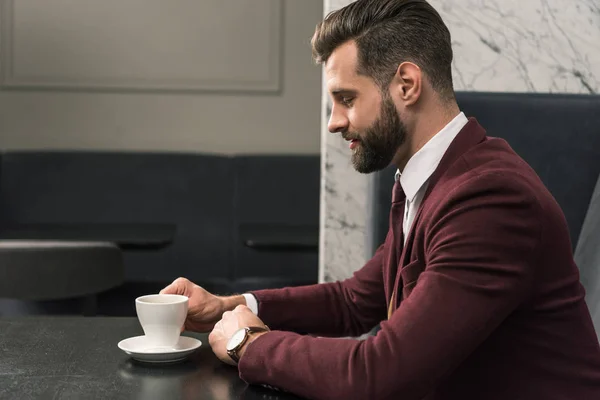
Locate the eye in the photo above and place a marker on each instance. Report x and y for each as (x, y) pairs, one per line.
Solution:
(347, 100)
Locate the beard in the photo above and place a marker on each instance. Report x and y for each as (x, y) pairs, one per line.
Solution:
(379, 143)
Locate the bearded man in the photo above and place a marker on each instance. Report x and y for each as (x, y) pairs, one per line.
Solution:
(475, 288)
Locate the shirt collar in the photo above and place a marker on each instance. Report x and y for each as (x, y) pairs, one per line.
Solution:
(424, 162)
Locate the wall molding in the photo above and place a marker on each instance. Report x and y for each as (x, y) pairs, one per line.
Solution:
(9, 80)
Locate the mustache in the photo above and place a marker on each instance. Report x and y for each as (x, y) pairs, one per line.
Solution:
(350, 136)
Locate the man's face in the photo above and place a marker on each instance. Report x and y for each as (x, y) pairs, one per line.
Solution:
(364, 116)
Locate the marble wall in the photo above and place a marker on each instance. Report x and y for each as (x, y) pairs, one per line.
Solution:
(499, 45)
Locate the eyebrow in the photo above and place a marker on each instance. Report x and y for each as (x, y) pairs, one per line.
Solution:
(339, 91)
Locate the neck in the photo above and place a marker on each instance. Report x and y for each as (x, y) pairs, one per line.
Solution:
(423, 129)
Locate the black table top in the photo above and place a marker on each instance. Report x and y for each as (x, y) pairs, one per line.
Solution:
(78, 358)
(129, 236)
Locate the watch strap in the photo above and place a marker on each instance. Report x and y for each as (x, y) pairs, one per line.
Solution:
(233, 353)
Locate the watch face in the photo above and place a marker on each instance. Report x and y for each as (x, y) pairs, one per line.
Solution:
(236, 339)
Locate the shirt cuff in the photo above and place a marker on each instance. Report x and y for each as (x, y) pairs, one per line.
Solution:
(251, 302)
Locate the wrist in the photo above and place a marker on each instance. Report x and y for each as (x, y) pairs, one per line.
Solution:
(251, 338)
(231, 302)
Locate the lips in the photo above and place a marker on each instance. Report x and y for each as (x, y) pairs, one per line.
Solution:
(353, 142)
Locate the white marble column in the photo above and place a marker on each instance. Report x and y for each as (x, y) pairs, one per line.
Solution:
(499, 45)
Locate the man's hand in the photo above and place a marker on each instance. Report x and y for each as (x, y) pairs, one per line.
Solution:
(205, 309)
(240, 317)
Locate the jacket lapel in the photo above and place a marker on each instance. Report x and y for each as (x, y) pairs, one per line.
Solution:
(470, 135)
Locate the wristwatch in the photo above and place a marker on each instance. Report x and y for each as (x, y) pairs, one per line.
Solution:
(239, 338)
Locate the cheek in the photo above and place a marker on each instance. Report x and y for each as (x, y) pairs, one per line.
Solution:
(362, 117)
(357, 123)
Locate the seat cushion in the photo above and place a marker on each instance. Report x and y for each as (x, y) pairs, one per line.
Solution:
(47, 270)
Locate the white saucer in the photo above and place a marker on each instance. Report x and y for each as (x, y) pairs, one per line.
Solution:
(137, 347)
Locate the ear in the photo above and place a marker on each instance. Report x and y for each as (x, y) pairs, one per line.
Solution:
(408, 83)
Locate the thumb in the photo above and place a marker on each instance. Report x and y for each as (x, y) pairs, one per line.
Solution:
(177, 287)
(168, 290)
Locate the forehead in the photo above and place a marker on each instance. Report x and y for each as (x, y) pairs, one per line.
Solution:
(341, 69)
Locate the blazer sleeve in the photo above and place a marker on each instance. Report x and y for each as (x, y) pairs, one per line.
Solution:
(347, 308)
(480, 254)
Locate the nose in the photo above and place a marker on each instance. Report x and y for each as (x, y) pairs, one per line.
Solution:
(338, 122)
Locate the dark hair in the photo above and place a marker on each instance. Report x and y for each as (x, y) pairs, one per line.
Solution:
(387, 33)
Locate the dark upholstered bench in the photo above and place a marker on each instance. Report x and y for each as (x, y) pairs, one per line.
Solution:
(35, 272)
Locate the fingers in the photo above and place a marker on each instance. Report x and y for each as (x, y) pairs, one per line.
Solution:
(241, 308)
(227, 315)
(212, 338)
(237, 310)
(216, 334)
(179, 286)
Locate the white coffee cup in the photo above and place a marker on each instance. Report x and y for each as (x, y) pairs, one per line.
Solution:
(162, 316)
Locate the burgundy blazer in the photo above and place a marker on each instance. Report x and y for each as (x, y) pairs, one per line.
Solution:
(489, 305)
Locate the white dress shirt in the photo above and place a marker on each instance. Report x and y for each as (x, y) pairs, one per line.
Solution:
(414, 179)
(251, 302)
